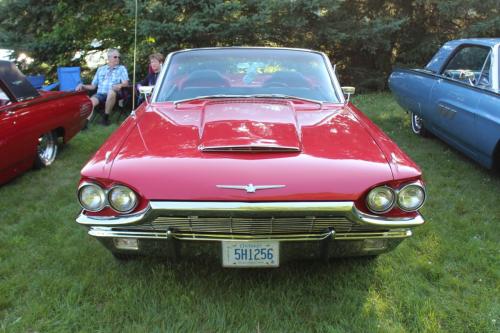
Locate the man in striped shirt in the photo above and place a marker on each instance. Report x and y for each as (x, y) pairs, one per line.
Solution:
(108, 80)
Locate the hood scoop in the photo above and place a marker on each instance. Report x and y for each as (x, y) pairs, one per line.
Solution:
(250, 149)
(249, 126)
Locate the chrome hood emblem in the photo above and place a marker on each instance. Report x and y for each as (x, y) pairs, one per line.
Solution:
(250, 188)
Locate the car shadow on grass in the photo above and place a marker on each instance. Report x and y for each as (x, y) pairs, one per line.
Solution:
(308, 295)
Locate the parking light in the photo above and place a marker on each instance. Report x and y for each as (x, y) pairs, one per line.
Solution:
(126, 243)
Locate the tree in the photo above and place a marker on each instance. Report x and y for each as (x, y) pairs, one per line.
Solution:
(54, 31)
(365, 38)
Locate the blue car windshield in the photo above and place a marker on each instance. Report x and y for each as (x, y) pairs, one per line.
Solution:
(247, 72)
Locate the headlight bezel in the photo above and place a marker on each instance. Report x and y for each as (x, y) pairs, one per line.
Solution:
(105, 194)
(406, 186)
(102, 194)
(397, 189)
(110, 202)
(389, 208)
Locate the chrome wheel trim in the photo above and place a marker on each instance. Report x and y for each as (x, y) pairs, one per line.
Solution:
(47, 148)
(416, 123)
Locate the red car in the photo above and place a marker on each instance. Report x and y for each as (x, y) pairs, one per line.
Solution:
(31, 122)
(252, 156)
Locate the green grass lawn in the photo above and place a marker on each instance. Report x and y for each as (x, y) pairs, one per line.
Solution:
(55, 278)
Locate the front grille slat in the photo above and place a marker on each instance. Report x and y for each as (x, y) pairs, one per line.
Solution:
(256, 226)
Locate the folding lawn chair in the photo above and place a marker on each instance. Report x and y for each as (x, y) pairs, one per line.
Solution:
(36, 80)
(69, 78)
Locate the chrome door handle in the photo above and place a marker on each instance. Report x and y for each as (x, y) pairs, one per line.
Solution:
(446, 111)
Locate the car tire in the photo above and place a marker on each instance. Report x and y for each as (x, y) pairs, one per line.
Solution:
(417, 125)
(46, 150)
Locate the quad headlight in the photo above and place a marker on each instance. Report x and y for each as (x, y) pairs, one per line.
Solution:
(408, 198)
(122, 199)
(92, 197)
(381, 199)
(411, 197)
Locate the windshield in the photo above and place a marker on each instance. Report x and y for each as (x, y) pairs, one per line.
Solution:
(15, 83)
(247, 72)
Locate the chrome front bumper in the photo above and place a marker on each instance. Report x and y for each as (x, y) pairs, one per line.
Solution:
(254, 209)
(108, 232)
(370, 229)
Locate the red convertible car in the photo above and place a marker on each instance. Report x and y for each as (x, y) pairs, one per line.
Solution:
(251, 156)
(31, 122)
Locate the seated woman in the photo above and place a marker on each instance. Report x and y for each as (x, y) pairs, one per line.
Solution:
(155, 63)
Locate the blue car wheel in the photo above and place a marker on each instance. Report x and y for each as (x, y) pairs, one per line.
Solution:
(417, 125)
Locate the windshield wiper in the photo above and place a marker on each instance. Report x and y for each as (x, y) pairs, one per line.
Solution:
(280, 96)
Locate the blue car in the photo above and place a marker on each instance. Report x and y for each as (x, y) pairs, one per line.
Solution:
(456, 97)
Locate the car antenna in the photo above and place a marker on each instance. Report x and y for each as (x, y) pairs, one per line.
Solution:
(135, 54)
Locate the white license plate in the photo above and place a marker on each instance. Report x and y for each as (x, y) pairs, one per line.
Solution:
(251, 254)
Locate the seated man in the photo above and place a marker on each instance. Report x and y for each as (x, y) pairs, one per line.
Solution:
(108, 80)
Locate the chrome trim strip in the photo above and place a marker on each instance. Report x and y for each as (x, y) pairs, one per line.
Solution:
(112, 220)
(495, 68)
(254, 209)
(109, 232)
(390, 222)
(446, 111)
(249, 238)
(334, 79)
(405, 233)
(281, 208)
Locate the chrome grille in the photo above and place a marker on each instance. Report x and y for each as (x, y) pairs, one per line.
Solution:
(255, 226)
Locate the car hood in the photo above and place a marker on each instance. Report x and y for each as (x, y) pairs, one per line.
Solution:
(197, 152)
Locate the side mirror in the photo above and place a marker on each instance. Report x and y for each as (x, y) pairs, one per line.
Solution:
(146, 91)
(348, 91)
(467, 75)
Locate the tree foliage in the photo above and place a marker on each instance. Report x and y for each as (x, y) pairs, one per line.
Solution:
(365, 38)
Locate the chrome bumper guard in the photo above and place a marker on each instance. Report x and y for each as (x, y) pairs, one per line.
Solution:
(107, 232)
(110, 226)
